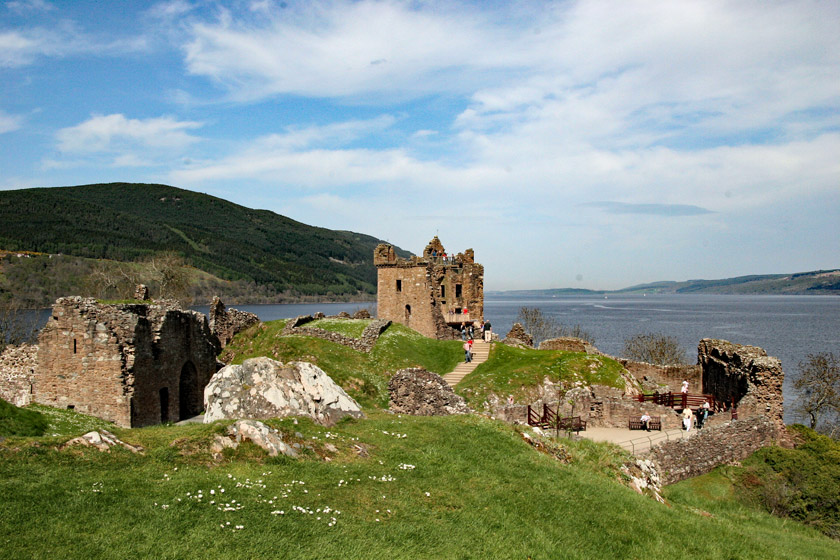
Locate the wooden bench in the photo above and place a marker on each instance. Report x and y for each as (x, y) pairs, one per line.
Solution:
(573, 424)
(636, 424)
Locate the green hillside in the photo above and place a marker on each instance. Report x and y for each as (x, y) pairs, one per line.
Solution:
(126, 222)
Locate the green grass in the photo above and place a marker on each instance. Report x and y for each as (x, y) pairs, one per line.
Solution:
(441, 487)
(348, 327)
(16, 421)
(511, 370)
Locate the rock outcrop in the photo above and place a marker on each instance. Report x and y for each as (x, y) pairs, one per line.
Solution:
(103, 440)
(265, 388)
(423, 393)
(256, 432)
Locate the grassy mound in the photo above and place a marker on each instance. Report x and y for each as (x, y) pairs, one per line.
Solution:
(516, 371)
(16, 421)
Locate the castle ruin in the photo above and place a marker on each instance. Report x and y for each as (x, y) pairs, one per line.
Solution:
(433, 293)
(133, 364)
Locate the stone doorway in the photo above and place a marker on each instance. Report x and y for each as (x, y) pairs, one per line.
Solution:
(190, 399)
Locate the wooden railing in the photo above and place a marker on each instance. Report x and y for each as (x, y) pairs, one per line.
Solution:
(683, 400)
(548, 419)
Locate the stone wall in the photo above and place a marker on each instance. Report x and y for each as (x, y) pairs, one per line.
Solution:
(226, 323)
(713, 446)
(17, 370)
(430, 294)
(565, 344)
(518, 337)
(665, 378)
(745, 375)
(363, 344)
(135, 364)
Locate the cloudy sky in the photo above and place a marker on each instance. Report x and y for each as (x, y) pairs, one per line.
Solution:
(592, 144)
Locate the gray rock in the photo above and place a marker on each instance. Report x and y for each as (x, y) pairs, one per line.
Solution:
(266, 388)
(257, 432)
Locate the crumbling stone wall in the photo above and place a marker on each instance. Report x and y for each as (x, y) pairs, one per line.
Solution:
(565, 344)
(423, 393)
(713, 446)
(17, 370)
(365, 343)
(745, 375)
(133, 364)
(429, 294)
(226, 323)
(665, 378)
(518, 337)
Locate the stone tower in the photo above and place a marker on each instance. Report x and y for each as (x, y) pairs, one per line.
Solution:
(432, 294)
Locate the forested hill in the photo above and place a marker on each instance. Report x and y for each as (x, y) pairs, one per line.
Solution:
(126, 222)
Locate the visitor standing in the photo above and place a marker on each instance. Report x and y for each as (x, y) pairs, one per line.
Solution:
(467, 354)
(487, 334)
(686, 416)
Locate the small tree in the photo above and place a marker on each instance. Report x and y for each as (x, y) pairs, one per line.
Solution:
(818, 386)
(15, 326)
(542, 327)
(654, 348)
(169, 272)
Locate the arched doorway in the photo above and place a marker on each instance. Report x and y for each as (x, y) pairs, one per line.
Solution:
(190, 399)
(407, 314)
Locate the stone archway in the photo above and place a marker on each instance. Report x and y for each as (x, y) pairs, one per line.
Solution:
(190, 398)
(407, 314)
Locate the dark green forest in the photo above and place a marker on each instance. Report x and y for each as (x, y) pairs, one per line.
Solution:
(133, 222)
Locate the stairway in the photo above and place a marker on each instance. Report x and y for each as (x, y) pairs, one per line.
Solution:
(481, 350)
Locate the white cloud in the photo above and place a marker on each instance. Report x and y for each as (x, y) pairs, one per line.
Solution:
(27, 6)
(8, 122)
(126, 142)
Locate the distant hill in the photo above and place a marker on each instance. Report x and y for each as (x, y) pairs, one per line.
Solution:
(126, 222)
(801, 283)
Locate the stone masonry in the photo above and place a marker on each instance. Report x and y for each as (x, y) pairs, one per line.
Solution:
(132, 364)
(431, 294)
(365, 343)
(225, 323)
(17, 372)
(745, 376)
(713, 446)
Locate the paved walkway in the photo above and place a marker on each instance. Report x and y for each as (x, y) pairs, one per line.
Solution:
(480, 352)
(637, 442)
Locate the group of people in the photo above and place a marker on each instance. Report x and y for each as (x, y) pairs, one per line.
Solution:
(468, 334)
(687, 414)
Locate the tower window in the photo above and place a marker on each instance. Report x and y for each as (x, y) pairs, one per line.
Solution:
(399, 285)
(457, 290)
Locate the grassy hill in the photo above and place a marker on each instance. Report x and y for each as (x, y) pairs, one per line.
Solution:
(126, 222)
(383, 487)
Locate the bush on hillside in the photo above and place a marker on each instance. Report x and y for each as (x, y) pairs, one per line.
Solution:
(543, 327)
(801, 483)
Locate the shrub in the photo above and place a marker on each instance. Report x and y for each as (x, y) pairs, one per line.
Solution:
(654, 348)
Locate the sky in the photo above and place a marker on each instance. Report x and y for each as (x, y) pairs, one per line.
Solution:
(593, 144)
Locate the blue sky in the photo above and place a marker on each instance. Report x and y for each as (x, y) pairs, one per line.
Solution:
(571, 144)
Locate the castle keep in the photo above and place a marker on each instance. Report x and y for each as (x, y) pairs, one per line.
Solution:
(432, 294)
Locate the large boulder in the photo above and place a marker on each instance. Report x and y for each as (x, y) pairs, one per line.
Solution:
(265, 388)
(423, 393)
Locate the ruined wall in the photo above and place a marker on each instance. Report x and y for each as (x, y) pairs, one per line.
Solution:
(365, 343)
(713, 446)
(226, 323)
(429, 293)
(17, 369)
(665, 378)
(745, 375)
(135, 365)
